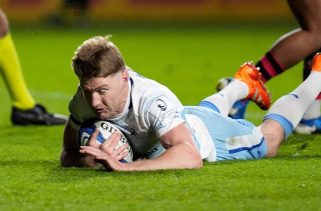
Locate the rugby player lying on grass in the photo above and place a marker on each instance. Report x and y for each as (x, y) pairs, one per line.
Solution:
(149, 114)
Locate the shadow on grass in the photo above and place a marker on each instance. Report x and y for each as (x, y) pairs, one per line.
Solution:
(53, 172)
(279, 158)
(64, 174)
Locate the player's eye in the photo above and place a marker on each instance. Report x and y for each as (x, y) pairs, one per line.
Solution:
(102, 91)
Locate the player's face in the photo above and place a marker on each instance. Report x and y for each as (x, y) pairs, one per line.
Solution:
(106, 95)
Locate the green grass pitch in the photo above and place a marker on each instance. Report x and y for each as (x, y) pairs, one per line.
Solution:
(189, 59)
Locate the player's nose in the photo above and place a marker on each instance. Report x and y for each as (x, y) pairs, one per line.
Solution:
(95, 99)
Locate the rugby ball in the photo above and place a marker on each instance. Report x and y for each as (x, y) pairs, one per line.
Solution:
(105, 130)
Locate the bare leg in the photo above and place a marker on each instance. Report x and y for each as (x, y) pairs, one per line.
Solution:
(291, 48)
(273, 134)
(300, 43)
(4, 26)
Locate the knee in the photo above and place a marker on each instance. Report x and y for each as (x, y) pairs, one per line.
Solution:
(272, 143)
(272, 152)
(314, 31)
(273, 135)
(4, 25)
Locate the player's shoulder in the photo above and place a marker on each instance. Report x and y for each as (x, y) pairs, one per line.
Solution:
(146, 91)
(146, 87)
(140, 82)
(79, 108)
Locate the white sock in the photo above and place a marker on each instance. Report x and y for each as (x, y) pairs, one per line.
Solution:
(313, 111)
(294, 105)
(224, 99)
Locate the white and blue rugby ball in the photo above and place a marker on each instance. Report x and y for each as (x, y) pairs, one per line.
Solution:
(105, 130)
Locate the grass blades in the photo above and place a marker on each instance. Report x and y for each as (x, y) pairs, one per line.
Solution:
(188, 59)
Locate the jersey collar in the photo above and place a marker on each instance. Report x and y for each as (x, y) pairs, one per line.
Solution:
(128, 105)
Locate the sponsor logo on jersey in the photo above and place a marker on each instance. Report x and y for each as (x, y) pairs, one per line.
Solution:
(161, 104)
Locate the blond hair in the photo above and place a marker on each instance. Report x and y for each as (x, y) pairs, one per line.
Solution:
(97, 57)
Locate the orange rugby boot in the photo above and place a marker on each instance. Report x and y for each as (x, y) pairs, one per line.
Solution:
(249, 74)
(316, 64)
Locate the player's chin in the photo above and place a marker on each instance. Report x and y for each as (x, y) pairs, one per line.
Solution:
(103, 115)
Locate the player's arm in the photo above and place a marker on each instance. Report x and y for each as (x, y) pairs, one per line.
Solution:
(162, 114)
(181, 153)
(70, 155)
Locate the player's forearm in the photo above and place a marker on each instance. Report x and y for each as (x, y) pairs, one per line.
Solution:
(181, 156)
(74, 158)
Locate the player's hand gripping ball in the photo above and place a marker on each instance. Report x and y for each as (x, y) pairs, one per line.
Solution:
(105, 130)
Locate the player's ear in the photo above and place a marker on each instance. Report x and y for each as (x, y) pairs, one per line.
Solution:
(125, 75)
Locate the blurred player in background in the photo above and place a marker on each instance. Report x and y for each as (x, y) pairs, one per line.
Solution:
(25, 111)
(149, 114)
(71, 12)
(291, 48)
